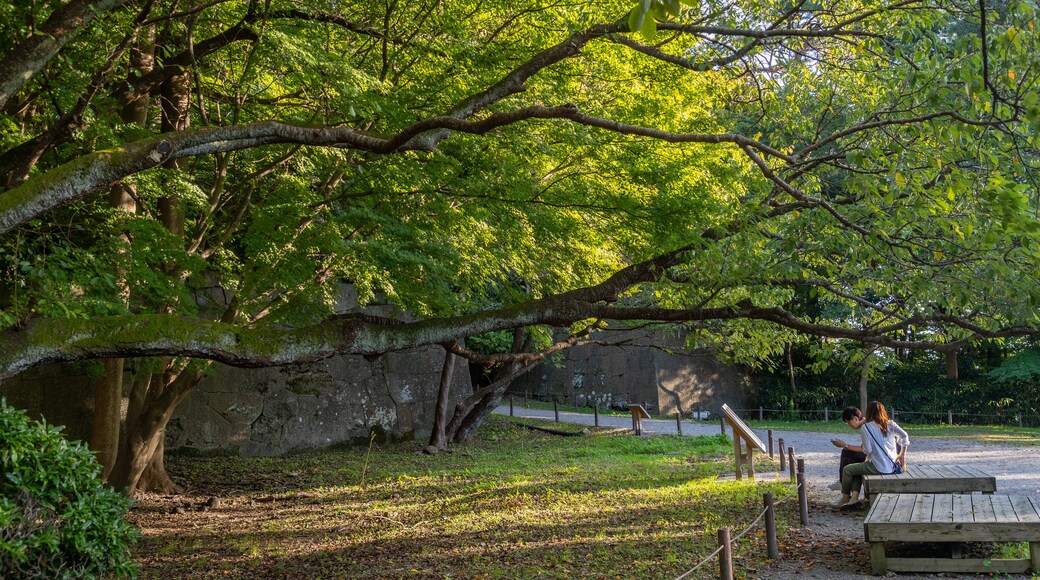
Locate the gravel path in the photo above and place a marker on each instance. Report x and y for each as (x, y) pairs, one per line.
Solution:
(832, 546)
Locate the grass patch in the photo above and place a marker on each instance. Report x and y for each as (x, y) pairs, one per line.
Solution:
(514, 503)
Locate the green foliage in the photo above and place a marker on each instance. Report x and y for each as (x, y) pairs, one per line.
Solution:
(57, 519)
(1021, 367)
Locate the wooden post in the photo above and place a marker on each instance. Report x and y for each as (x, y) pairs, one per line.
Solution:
(949, 418)
(595, 413)
(803, 496)
(739, 454)
(771, 544)
(826, 415)
(750, 461)
(678, 423)
(770, 443)
(510, 405)
(722, 424)
(760, 415)
(783, 458)
(556, 410)
(790, 462)
(725, 556)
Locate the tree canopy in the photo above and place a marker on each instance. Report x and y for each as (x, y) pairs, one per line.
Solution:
(493, 165)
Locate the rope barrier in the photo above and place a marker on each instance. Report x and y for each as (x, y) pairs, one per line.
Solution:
(703, 562)
(740, 535)
(733, 541)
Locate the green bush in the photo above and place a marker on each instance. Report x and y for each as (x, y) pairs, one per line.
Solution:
(57, 519)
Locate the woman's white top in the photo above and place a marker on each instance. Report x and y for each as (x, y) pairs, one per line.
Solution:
(882, 457)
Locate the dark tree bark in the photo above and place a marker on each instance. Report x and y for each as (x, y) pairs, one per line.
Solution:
(864, 378)
(439, 438)
(152, 402)
(104, 432)
(951, 365)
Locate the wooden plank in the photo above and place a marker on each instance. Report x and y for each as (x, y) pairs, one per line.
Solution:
(963, 565)
(925, 471)
(883, 506)
(904, 507)
(1003, 510)
(956, 471)
(982, 507)
(740, 427)
(1025, 509)
(942, 508)
(952, 532)
(962, 508)
(922, 507)
(928, 481)
(878, 561)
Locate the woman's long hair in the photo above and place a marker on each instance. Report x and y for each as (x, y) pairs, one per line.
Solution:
(876, 412)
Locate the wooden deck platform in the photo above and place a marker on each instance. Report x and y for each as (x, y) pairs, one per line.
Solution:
(925, 479)
(942, 517)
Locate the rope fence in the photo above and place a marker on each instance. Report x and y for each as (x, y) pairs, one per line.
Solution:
(768, 512)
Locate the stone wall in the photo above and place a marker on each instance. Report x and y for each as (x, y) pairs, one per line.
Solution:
(270, 411)
(274, 411)
(651, 369)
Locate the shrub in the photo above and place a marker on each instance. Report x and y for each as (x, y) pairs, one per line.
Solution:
(57, 519)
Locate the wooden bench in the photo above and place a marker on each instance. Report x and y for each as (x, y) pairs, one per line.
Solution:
(945, 517)
(925, 479)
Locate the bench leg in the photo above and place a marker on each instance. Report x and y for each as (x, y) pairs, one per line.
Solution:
(878, 562)
(1034, 557)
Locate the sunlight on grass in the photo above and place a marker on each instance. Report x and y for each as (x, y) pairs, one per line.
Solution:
(514, 503)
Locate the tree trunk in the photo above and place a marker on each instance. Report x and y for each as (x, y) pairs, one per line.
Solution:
(108, 398)
(951, 365)
(864, 378)
(470, 413)
(790, 373)
(439, 437)
(152, 403)
(155, 478)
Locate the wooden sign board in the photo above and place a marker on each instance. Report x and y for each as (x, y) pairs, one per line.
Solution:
(742, 433)
(639, 410)
(741, 429)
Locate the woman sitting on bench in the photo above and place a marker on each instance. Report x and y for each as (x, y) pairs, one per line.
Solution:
(885, 445)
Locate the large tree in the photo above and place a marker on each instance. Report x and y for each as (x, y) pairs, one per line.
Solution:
(489, 166)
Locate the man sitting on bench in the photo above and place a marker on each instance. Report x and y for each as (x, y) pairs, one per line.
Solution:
(853, 417)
